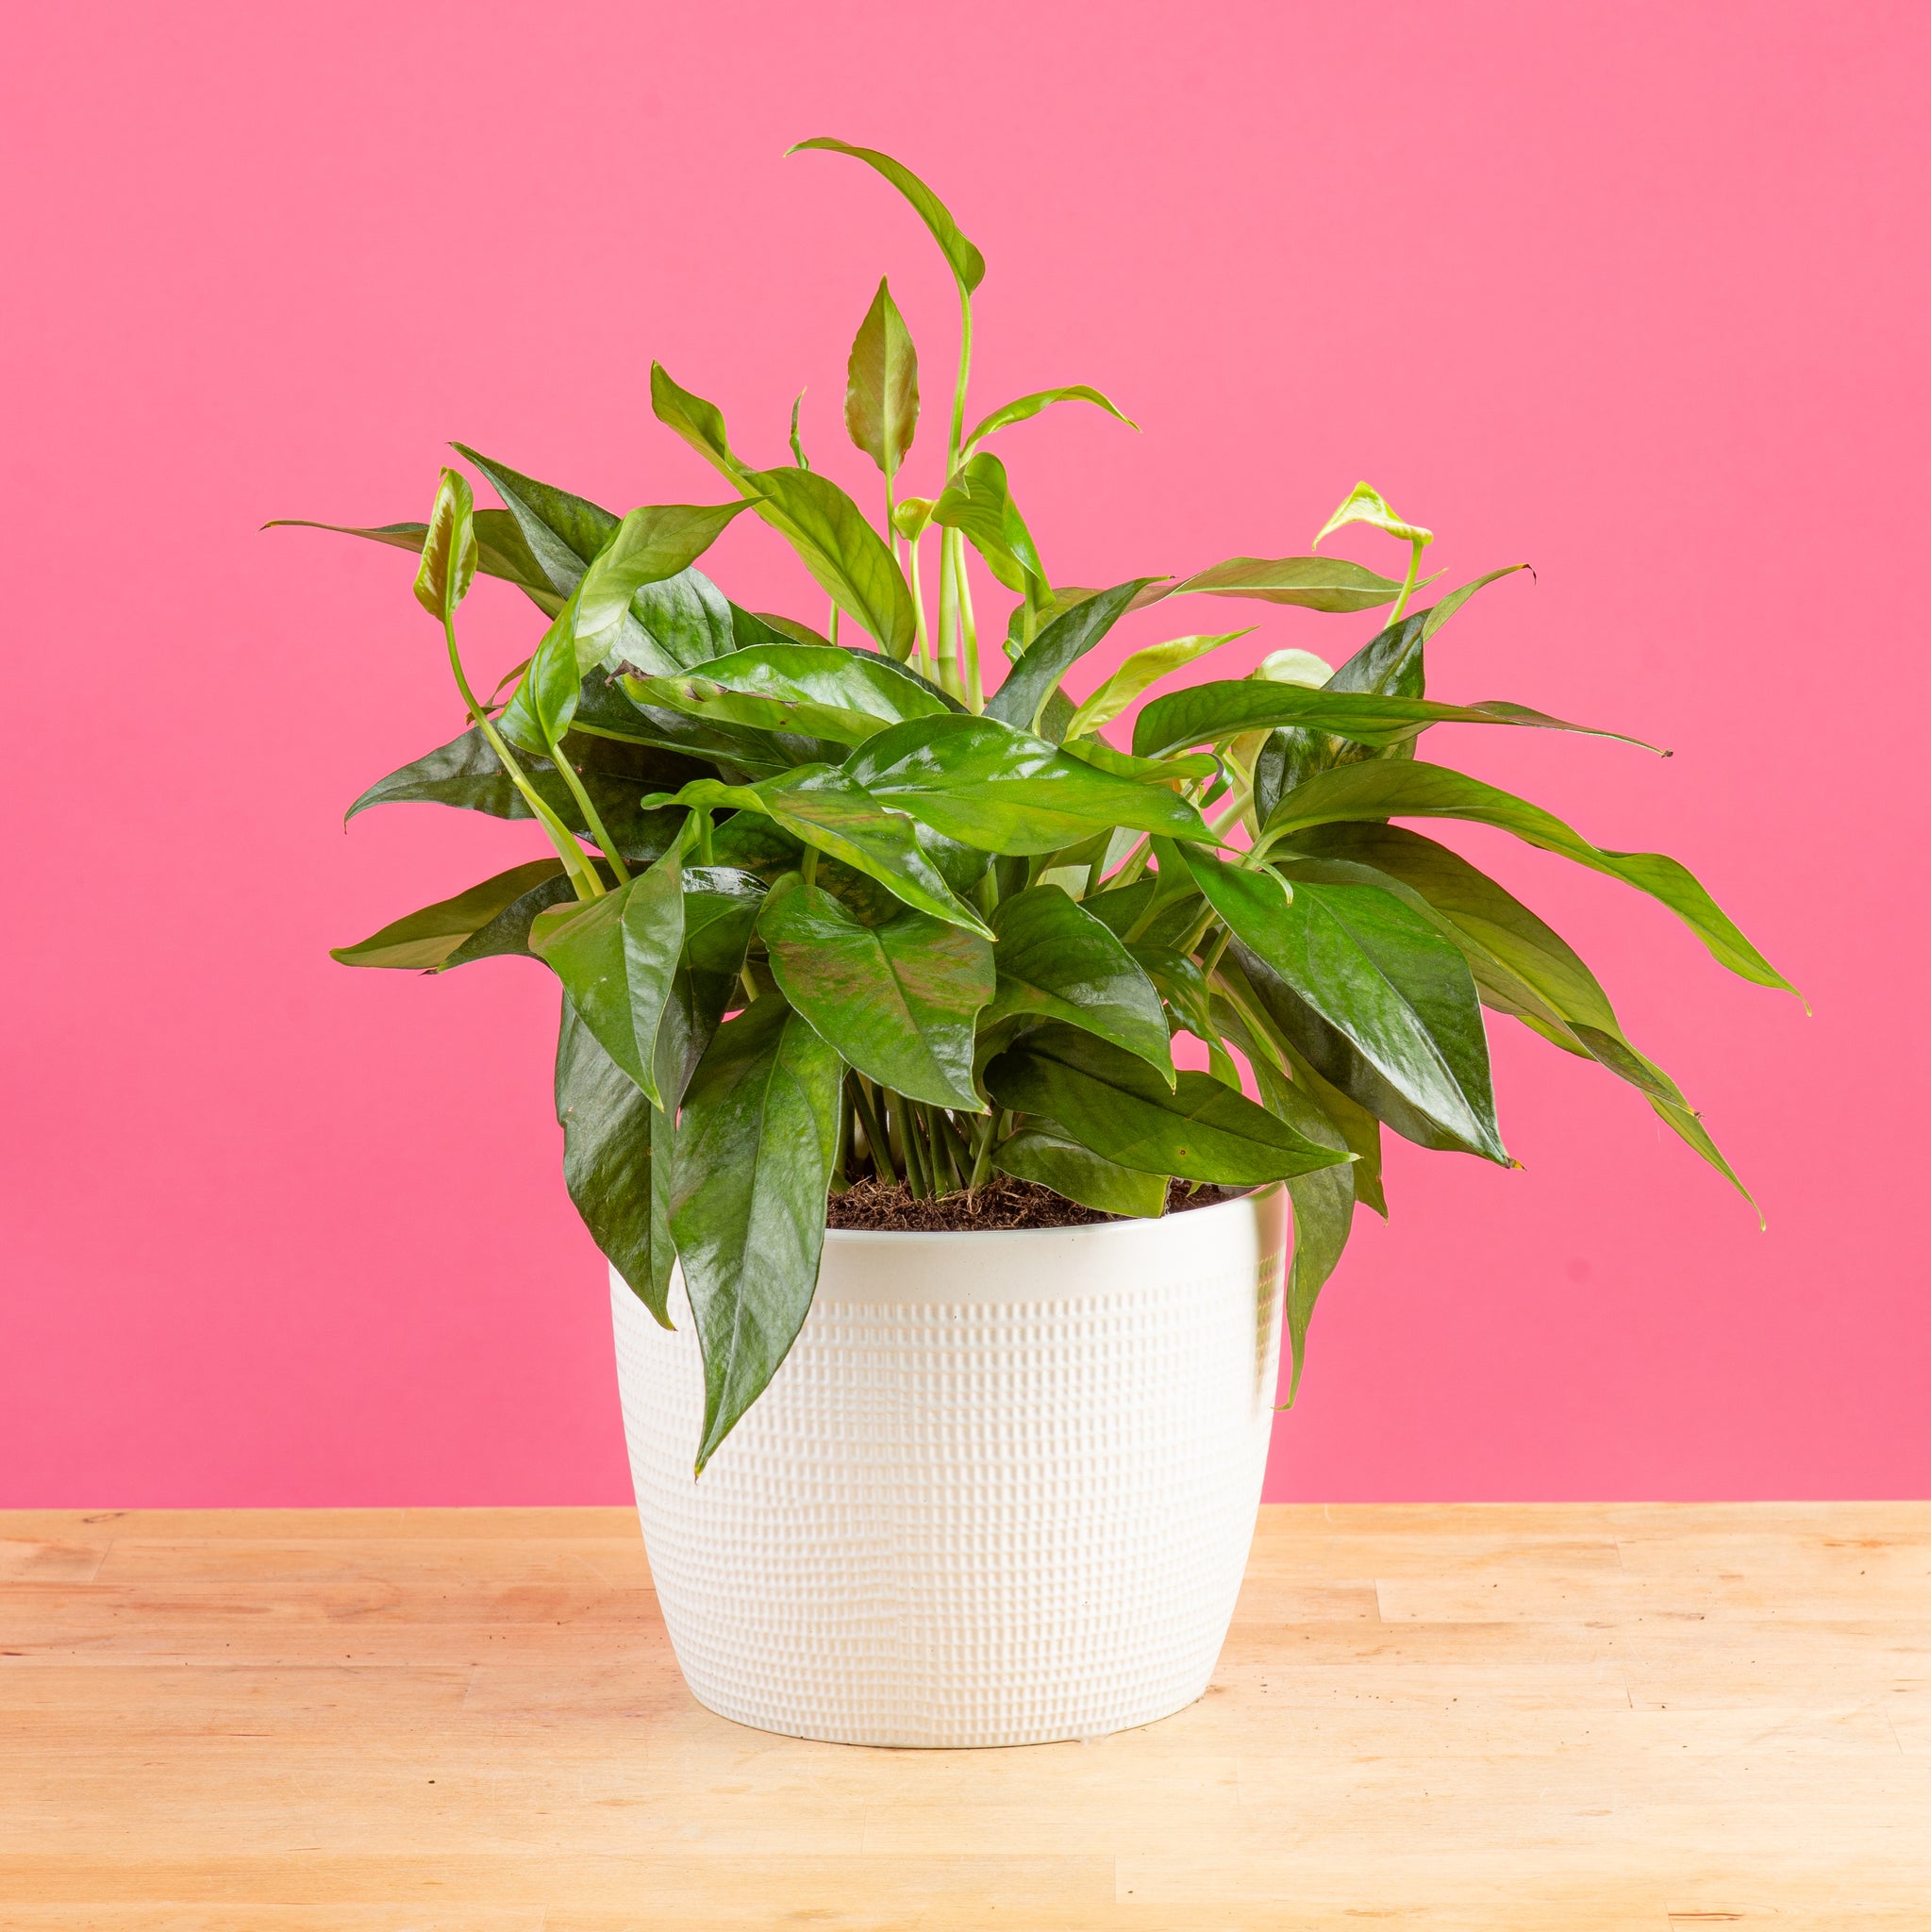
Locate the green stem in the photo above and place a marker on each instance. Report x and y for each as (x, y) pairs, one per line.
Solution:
(834, 620)
(583, 874)
(982, 1153)
(946, 663)
(874, 1134)
(1210, 965)
(808, 865)
(969, 631)
(701, 814)
(1408, 589)
(959, 394)
(926, 659)
(957, 1161)
(561, 758)
(841, 1154)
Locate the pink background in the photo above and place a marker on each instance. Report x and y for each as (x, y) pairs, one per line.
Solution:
(1633, 290)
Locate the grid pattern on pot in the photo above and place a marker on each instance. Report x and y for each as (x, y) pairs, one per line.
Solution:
(962, 1525)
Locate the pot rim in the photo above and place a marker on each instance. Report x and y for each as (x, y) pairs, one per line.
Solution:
(865, 1235)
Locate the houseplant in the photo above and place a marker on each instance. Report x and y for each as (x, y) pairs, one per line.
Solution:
(833, 923)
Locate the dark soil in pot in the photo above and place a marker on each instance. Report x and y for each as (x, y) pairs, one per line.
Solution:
(1002, 1203)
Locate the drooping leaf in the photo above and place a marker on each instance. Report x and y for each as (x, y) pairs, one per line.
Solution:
(1212, 714)
(1024, 407)
(1118, 1105)
(1324, 1217)
(967, 264)
(1382, 977)
(1044, 1154)
(425, 941)
(1313, 583)
(449, 548)
(1061, 646)
(821, 806)
(751, 1169)
(978, 503)
(843, 551)
(651, 545)
(1387, 789)
(500, 551)
(988, 785)
(1141, 669)
(816, 688)
(466, 774)
(1056, 961)
(896, 999)
(1364, 504)
(607, 1157)
(882, 384)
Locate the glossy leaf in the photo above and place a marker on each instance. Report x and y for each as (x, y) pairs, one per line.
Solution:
(1181, 984)
(424, 941)
(1004, 790)
(1381, 977)
(1049, 1158)
(1057, 961)
(817, 689)
(616, 958)
(1212, 714)
(1061, 646)
(1364, 504)
(617, 708)
(882, 384)
(1313, 583)
(896, 999)
(1056, 602)
(751, 1169)
(1119, 1107)
(466, 773)
(652, 545)
(699, 423)
(543, 705)
(449, 548)
(561, 531)
(1025, 406)
(822, 806)
(843, 551)
(967, 264)
(1094, 750)
(978, 503)
(1386, 789)
(1434, 617)
(1140, 669)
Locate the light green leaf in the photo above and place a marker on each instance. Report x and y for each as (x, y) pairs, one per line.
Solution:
(1313, 583)
(896, 999)
(1121, 1108)
(1022, 699)
(979, 502)
(1057, 961)
(1141, 669)
(1050, 1157)
(699, 423)
(425, 941)
(968, 265)
(1434, 617)
(449, 548)
(1391, 788)
(986, 785)
(882, 384)
(1009, 413)
(843, 551)
(750, 1171)
(543, 705)
(1364, 504)
(652, 544)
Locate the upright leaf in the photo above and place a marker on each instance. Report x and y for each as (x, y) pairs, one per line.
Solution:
(543, 705)
(1388, 790)
(1122, 1110)
(1057, 961)
(561, 531)
(1432, 620)
(843, 551)
(652, 544)
(1025, 406)
(978, 503)
(1139, 671)
(699, 423)
(753, 1166)
(1364, 504)
(1061, 646)
(882, 384)
(967, 264)
(896, 999)
(606, 1159)
(449, 548)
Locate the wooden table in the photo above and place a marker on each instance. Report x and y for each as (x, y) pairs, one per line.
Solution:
(1564, 1718)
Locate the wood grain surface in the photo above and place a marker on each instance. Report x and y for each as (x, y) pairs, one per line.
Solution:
(1564, 1718)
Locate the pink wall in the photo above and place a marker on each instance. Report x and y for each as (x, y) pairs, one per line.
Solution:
(1635, 290)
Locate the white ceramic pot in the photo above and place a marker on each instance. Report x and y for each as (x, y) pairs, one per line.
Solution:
(1001, 1491)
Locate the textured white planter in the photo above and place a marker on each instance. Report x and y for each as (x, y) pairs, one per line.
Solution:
(1001, 1491)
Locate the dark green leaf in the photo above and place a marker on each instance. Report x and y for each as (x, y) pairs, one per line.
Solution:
(606, 1159)
(1056, 961)
(449, 548)
(843, 551)
(1120, 1107)
(753, 1166)
(882, 384)
(1386, 789)
(1025, 406)
(1181, 984)
(616, 958)
(425, 941)
(988, 785)
(500, 551)
(466, 774)
(815, 689)
(1055, 650)
(562, 532)
(1052, 1159)
(968, 265)
(896, 999)
(979, 502)
(1382, 977)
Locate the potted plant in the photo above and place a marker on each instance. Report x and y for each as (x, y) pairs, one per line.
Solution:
(849, 927)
